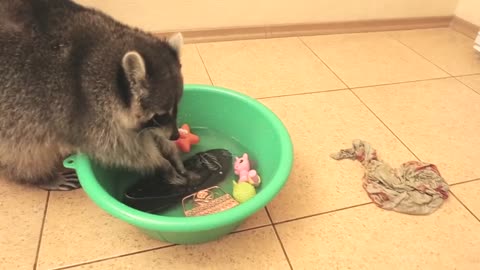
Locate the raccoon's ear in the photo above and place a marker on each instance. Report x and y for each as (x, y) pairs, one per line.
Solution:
(176, 41)
(134, 67)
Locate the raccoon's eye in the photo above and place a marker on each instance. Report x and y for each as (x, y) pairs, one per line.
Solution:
(155, 121)
(161, 119)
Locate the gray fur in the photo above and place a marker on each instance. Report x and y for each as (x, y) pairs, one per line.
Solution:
(73, 80)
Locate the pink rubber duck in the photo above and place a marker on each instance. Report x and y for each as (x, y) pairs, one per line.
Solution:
(242, 169)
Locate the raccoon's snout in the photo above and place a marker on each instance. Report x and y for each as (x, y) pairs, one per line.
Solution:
(175, 135)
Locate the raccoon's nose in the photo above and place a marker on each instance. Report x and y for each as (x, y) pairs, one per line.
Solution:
(175, 135)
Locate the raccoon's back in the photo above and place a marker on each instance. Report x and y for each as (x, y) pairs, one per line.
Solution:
(36, 78)
(33, 97)
(59, 69)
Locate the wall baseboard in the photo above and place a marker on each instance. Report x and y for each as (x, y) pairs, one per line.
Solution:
(273, 31)
(359, 26)
(465, 27)
(223, 34)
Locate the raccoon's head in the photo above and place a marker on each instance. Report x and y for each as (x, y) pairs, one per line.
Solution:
(155, 86)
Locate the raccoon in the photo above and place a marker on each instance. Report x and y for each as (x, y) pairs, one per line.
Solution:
(73, 79)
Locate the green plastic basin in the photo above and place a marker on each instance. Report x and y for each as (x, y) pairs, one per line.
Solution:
(236, 115)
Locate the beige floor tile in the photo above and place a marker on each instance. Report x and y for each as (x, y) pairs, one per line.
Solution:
(21, 215)
(447, 48)
(371, 59)
(319, 125)
(263, 68)
(472, 81)
(438, 120)
(255, 249)
(370, 238)
(192, 66)
(258, 219)
(469, 194)
(76, 230)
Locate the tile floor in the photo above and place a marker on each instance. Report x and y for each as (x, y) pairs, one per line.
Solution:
(412, 94)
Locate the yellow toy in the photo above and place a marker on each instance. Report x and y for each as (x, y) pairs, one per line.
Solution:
(243, 191)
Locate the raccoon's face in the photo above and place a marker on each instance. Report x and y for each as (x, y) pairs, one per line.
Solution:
(156, 86)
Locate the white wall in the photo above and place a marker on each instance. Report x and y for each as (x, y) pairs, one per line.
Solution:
(158, 15)
(469, 10)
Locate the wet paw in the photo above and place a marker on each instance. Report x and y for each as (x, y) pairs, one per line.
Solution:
(178, 179)
(185, 178)
(193, 178)
(64, 181)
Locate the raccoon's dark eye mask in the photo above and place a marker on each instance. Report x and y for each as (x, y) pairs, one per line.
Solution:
(157, 121)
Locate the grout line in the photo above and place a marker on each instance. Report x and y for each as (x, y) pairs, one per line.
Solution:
(419, 54)
(468, 74)
(148, 250)
(347, 86)
(279, 239)
(464, 182)
(203, 62)
(356, 87)
(252, 228)
(321, 214)
(391, 131)
(404, 82)
(477, 218)
(460, 81)
(41, 231)
(453, 76)
(303, 93)
(318, 57)
(114, 257)
(364, 104)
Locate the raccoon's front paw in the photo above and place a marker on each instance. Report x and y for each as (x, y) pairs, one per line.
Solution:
(63, 181)
(176, 178)
(185, 178)
(193, 178)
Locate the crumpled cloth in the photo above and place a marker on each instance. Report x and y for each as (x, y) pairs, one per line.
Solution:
(415, 188)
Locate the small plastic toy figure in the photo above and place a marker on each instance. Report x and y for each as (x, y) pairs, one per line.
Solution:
(245, 173)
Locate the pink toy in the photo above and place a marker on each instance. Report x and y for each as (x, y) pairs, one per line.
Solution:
(242, 169)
